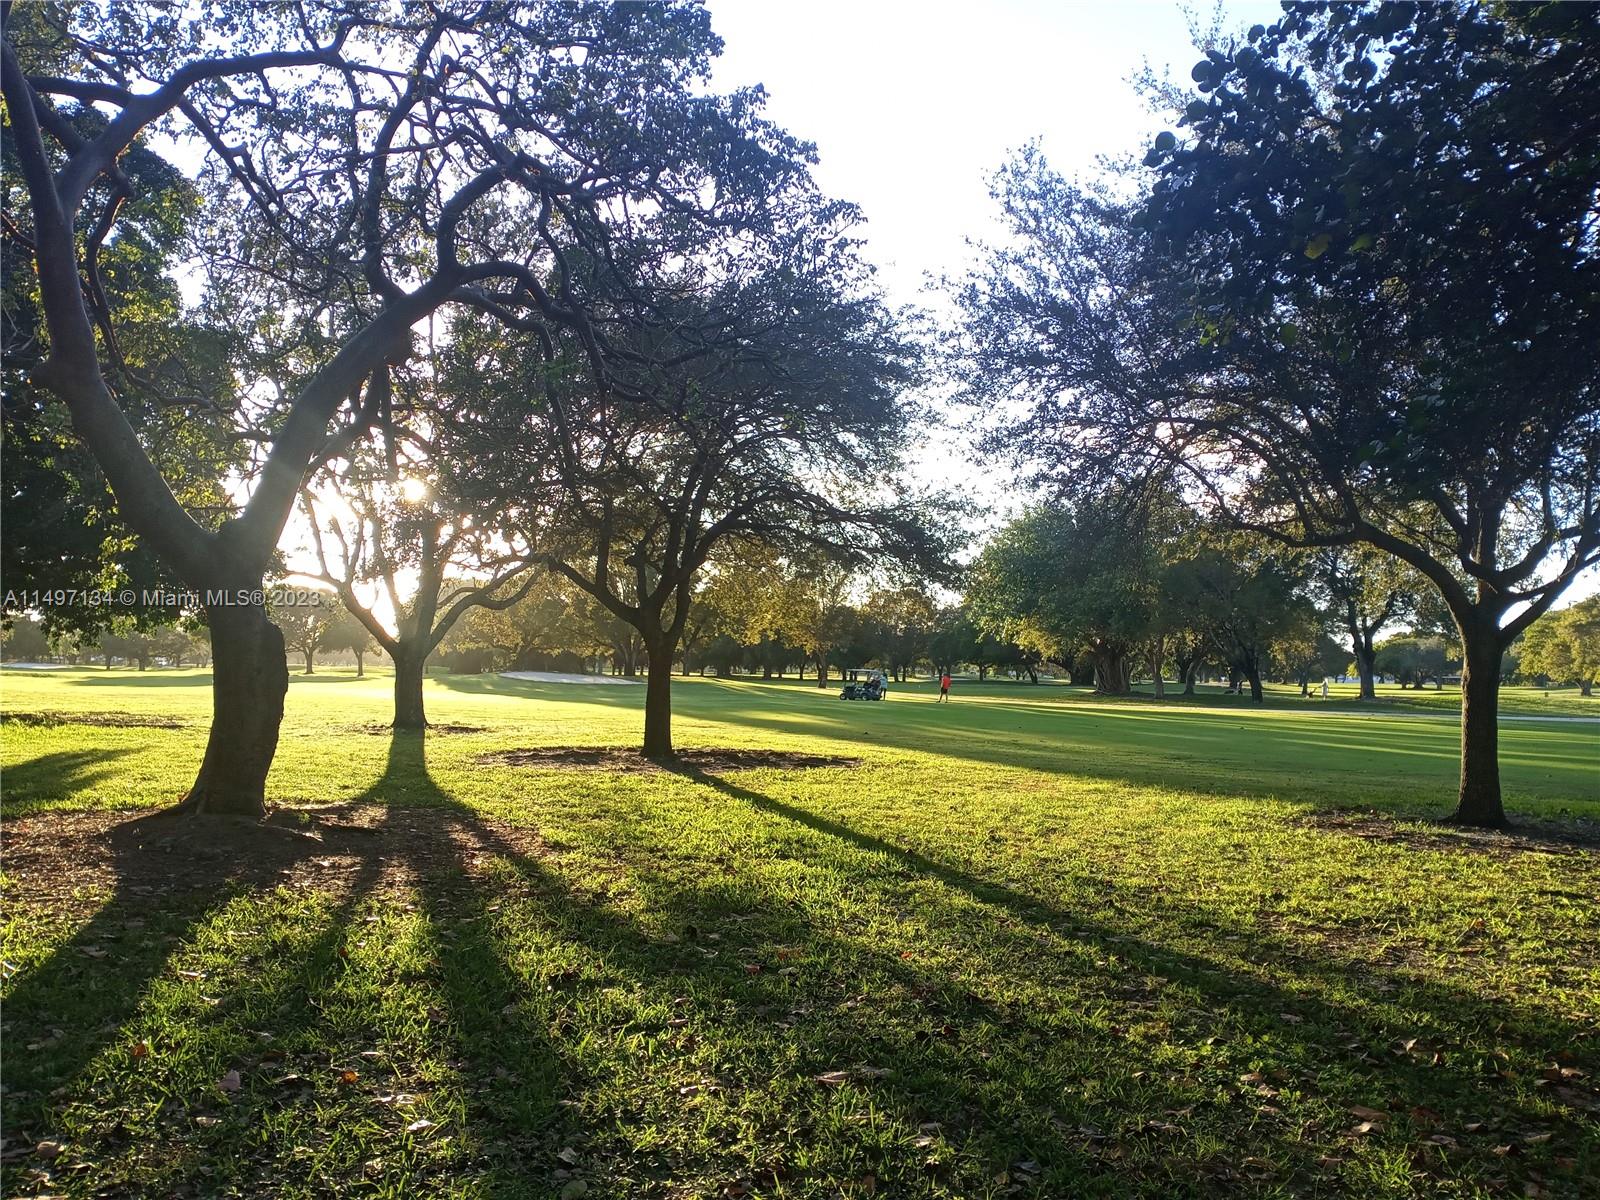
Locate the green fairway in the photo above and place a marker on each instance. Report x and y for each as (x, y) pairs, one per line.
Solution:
(1031, 943)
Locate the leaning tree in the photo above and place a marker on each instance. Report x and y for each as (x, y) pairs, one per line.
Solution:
(361, 166)
(1358, 303)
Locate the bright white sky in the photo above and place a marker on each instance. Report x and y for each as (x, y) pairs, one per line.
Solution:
(913, 106)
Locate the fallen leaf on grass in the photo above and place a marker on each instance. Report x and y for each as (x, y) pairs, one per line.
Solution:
(568, 1155)
(832, 1078)
(48, 1149)
(229, 1082)
(349, 1076)
(420, 1125)
(139, 1050)
(1368, 1114)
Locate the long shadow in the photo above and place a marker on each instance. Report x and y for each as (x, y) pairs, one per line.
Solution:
(516, 1035)
(54, 776)
(945, 1082)
(167, 878)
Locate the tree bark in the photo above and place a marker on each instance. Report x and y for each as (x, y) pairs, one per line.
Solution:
(1252, 672)
(1158, 658)
(822, 672)
(310, 666)
(1366, 656)
(1112, 673)
(1479, 801)
(409, 671)
(1585, 687)
(250, 676)
(658, 702)
(361, 668)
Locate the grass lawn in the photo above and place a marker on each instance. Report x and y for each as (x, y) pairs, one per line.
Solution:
(1032, 943)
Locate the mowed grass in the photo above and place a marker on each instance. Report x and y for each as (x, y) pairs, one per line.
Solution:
(1033, 943)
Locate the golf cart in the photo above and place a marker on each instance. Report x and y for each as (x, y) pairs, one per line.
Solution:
(870, 688)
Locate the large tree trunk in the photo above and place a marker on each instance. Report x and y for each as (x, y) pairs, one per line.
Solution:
(1585, 687)
(1158, 658)
(409, 671)
(361, 669)
(1479, 801)
(822, 672)
(311, 668)
(249, 678)
(1366, 656)
(1112, 673)
(1252, 672)
(658, 702)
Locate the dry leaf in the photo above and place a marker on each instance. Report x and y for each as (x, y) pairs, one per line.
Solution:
(140, 1050)
(229, 1082)
(349, 1076)
(833, 1078)
(420, 1125)
(48, 1149)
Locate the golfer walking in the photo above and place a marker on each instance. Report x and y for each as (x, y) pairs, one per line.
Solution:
(944, 689)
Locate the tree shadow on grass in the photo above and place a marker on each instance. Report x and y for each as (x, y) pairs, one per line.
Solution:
(54, 776)
(620, 1040)
(168, 875)
(1329, 1045)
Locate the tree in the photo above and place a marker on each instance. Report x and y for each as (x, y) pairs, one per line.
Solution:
(807, 604)
(1059, 578)
(427, 544)
(363, 168)
(905, 619)
(1564, 646)
(1304, 322)
(954, 641)
(25, 641)
(768, 416)
(307, 618)
(62, 528)
(347, 632)
(549, 618)
(1244, 595)
(1366, 591)
(1413, 660)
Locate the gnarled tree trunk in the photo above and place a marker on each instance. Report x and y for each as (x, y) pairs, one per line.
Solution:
(250, 676)
(409, 672)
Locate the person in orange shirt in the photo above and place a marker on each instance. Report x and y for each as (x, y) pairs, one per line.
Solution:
(944, 689)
